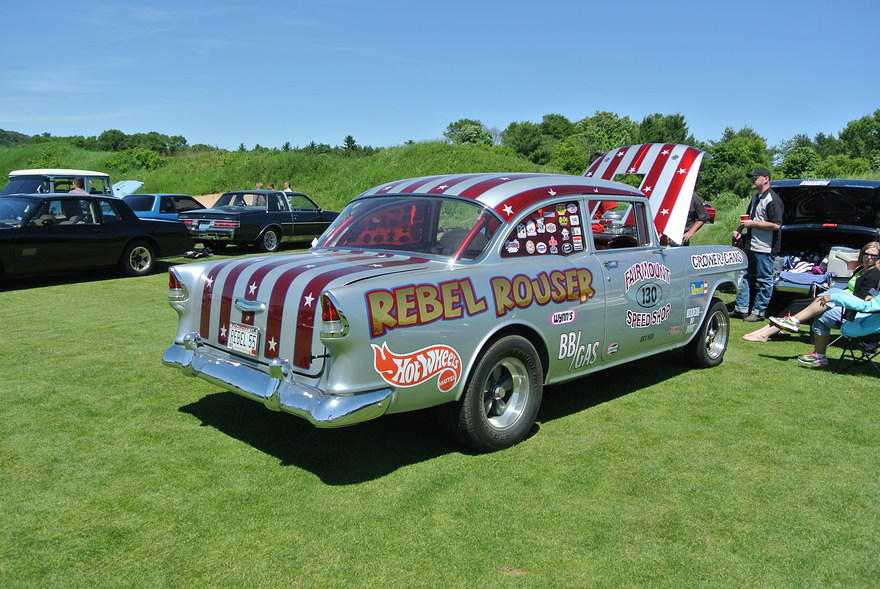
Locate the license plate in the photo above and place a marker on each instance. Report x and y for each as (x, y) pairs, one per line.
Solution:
(243, 338)
(203, 225)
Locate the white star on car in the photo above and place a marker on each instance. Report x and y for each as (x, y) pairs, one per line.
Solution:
(507, 210)
(308, 300)
(647, 189)
(664, 212)
(222, 331)
(551, 192)
(272, 343)
(682, 170)
(209, 282)
(252, 288)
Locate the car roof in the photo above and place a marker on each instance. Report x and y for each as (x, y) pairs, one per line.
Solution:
(55, 172)
(506, 193)
(835, 182)
(157, 194)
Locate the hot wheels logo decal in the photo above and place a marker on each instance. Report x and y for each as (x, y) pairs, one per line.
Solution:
(414, 368)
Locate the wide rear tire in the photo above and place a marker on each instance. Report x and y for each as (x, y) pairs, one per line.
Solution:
(502, 397)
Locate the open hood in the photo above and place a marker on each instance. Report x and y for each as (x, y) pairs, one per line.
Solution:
(669, 173)
(124, 187)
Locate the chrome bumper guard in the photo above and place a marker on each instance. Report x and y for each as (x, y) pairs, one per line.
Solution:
(273, 390)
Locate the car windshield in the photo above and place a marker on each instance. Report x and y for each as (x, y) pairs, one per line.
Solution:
(241, 199)
(415, 224)
(14, 210)
(26, 185)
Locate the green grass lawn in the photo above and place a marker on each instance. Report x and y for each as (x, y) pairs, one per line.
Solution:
(119, 472)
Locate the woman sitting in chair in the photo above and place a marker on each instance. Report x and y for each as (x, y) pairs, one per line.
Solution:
(865, 277)
(866, 321)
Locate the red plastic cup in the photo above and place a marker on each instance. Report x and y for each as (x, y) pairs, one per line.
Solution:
(743, 217)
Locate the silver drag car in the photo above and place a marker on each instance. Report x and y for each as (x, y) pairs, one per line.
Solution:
(474, 289)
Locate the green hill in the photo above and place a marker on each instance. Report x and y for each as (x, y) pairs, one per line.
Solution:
(332, 179)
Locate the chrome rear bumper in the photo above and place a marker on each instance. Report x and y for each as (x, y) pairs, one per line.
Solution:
(274, 390)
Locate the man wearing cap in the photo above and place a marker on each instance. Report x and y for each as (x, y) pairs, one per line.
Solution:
(759, 233)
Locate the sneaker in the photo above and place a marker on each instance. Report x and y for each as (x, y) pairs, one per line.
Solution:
(788, 323)
(813, 360)
(738, 314)
(753, 318)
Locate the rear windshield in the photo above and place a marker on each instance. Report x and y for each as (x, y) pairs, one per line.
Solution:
(843, 205)
(139, 202)
(14, 210)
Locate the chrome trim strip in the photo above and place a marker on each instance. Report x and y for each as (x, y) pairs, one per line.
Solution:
(277, 394)
(249, 306)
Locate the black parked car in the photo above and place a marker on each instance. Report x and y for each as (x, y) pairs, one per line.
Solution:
(44, 233)
(264, 218)
(821, 215)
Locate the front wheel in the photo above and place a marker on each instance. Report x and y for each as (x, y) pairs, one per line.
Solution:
(268, 241)
(708, 346)
(502, 397)
(138, 259)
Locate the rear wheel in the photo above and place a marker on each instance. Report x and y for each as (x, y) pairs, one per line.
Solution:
(268, 241)
(138, 259)
(503, 395)
(709, 345)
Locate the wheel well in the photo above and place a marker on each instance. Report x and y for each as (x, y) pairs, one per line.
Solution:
(727, 286)
(528, 333)
(275, 227)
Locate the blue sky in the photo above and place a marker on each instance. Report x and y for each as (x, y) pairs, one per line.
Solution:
(225, 73)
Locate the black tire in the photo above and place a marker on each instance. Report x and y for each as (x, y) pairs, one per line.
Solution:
(268, 241)
(502, 397)
(709, 345)
(138, 259)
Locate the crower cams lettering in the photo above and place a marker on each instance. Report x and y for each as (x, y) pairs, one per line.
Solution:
(557, 286)
(419, 304)
(716, 259)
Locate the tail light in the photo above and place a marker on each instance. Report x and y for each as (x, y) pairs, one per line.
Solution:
(334, 323)
(176, 290)
(226, 224)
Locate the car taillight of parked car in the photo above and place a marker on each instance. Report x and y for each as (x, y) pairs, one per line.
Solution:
(226, 224)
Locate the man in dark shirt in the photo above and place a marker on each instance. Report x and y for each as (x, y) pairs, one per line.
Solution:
(759, 232)
(697, 217)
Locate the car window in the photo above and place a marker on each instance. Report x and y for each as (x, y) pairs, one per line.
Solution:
(65, 212)
(139, 202)
(99, 185)
(109, 214)
(166, 205)
(439, 226)
(299, 201)
(62, 184)
(617, 225)
(555, 229)
(185, 203)
(14, 210)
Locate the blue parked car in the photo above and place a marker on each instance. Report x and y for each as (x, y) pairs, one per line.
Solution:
(161, 206)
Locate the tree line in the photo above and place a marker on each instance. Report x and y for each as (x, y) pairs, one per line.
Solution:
(564, 145)
(571, 145)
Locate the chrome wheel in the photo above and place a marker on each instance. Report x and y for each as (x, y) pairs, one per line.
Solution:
(505, 392)
(140, 259)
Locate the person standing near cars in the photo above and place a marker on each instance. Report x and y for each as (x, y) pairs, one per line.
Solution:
(759, 233)
(697, 217)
